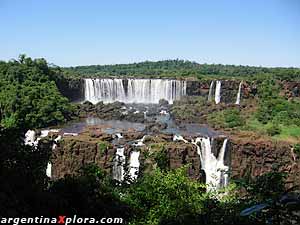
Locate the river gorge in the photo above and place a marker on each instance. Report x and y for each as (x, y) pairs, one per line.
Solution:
(129, 127)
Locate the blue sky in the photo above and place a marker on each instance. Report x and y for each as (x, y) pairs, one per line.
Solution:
(84, 32)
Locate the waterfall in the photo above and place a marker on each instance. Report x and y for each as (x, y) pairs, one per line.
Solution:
(134, 165)
(210, 93)
(222, 169)
(106, 90)
(214, 167)
(148, 91)
(30, 138)
(118, 165)
(218, 92)
(216, 172)
(119, 135)
(49, 170)
(238, 97)
(49, 165)
(56, 140)
(179, 138)
(139, 142)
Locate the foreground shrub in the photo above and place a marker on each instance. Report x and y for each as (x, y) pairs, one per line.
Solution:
(273, 130)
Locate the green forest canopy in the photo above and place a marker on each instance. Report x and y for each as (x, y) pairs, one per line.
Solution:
(29, 97)
(181, 68)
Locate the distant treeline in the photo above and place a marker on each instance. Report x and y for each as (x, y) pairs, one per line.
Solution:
(181, 68)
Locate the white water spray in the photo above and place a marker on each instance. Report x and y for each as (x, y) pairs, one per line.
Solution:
(140, 142)
(30, 138)
(134, 165)
(179, 138)
(137, 90)
(49, 170)
(214, 167)
(218, 92)
(210, 93)
(118, 165)
(56, 140)
(238, 97)
(119, 135)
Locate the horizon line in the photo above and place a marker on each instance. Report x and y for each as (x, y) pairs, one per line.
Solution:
(154, 61)
(185, 60)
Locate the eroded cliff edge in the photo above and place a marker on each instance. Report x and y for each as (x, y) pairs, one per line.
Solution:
(247, 157)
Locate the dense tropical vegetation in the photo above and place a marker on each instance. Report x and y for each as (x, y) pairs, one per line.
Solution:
(29, 97)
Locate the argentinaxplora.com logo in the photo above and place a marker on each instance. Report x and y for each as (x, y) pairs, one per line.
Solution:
(60, 220)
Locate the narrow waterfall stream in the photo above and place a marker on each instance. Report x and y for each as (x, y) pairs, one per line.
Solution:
(210, 93)
(218, 92)
(134, 165)
(49, 170)
(148, 91)
(118, 165)
(32, 139)
(238, 97)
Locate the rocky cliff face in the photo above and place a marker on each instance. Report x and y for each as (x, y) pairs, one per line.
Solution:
(229, 89)
(255, 157)
(246, 157)
(73, 153)
(73, 89)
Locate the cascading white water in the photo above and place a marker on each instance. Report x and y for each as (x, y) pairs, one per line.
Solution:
(179, 138)
(49, 165)
(222, 168)
(56, 140)
(119, 135)
(148, 91)
(30, 138)
(238, 97)
(218, 92)
(134, 165)
(49, 170)
(210, 93)
(214, 167)
(106, 90)
(118, 165)
(44, 133)
(140, 142)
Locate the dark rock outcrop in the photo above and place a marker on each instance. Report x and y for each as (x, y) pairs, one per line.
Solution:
(73, 89)
(110, 111)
